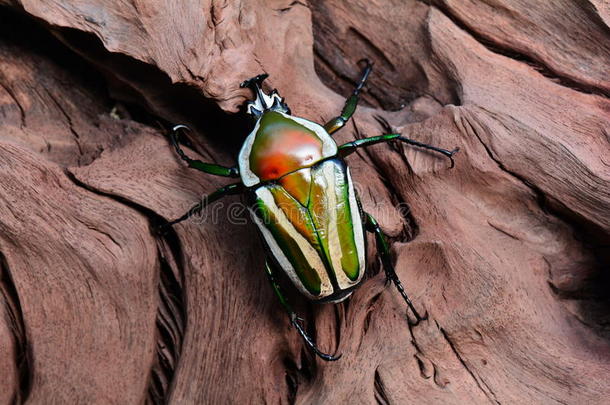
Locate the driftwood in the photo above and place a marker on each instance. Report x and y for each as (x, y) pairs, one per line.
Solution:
(506, 252)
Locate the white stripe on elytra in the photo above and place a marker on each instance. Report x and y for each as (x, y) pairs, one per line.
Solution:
(330, 209)
(357, 226)
(247, 177)
(311, 255)
(335, 197)
(329, 148)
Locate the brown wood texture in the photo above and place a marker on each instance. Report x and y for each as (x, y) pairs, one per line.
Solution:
(507, 252)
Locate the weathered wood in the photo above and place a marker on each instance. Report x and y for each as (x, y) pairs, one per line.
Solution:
(506, 253)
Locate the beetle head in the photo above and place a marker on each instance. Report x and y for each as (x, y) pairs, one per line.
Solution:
(264, 102)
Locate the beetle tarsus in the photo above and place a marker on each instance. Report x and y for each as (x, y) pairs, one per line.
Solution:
(384, 251)
(388, 128)
(295, 320)
(365, 75)
(404, 295)
(312, 345)
(174, 138)
(210, 168)
(350, 104)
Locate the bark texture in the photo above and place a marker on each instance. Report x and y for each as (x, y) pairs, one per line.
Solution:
(507, 253)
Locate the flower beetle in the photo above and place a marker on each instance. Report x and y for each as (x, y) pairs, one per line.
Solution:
(302, 199)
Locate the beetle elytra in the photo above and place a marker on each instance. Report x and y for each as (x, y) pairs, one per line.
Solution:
(302, 200)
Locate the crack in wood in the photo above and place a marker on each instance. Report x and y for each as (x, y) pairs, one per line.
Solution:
(14, 312)
(68, 120)
(171, 314)
(420, 356)
(283, 10)
(493, 46)
(19, 106)
(480, 382)
(381, 397)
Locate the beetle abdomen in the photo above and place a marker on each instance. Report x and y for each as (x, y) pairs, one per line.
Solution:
(311, 224)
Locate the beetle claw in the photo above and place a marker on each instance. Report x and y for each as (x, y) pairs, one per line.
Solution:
(309, 341)
(450, 156)
(179, 127)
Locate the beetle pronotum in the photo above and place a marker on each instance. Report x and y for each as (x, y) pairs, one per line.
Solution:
(302, 200)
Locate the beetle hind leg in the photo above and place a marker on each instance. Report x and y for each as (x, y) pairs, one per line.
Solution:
(295, 320)
(384, 251)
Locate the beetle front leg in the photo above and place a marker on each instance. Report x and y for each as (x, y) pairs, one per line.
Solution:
(350, 104)
(294, 319)
(210, 168)
(386, 260)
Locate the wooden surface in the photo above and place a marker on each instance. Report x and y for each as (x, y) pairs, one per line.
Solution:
(507, 252)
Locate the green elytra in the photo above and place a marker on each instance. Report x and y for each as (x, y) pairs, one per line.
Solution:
(302, 200)
(326, 223)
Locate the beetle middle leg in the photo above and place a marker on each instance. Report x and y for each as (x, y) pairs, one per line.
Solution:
(386, 259)
(210, 168)
(205, 201)
(294, 319)
(350, 104)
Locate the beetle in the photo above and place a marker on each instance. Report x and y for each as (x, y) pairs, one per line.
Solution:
(302, 199)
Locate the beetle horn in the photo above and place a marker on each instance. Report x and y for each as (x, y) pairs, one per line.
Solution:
(255, 84)
(263, 101)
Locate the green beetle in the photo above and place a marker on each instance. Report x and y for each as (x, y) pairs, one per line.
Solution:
(302, 199)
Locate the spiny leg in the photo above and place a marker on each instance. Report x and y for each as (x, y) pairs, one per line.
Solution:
(294, 319)
(350, 147)
(350, 104)
(386, 259)
(210, 168)
(205, 201)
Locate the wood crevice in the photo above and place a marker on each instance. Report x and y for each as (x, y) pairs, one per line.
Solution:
(596, 289)
(493, 46)
(172, 319)
(381, 397)
(11, 93)
(479, 381)
(14, 312)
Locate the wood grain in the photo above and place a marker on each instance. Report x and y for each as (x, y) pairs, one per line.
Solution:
(507, 252)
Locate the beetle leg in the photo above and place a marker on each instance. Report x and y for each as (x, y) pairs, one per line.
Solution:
(294, 319)
(386, 259)
(350, 104)
(210, 168)
(350, 147)
(205, 201)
